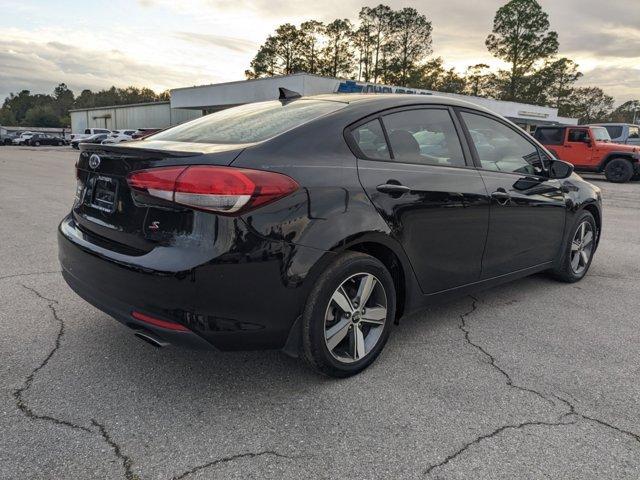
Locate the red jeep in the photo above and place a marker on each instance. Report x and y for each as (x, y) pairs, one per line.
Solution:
(589, 149)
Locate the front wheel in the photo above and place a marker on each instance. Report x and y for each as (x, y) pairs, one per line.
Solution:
(37, 144)
(619, 170)
(579, 250)
(348, 316)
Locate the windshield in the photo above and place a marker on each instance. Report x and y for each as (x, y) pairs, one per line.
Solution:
(249, 123)
(600, 134)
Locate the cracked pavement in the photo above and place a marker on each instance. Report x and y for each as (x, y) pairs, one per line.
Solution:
(533, 379)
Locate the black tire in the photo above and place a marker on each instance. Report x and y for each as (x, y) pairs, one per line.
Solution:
(315, 350)
(60, 144)
(565, 272)
(37, 144)
(619, 170)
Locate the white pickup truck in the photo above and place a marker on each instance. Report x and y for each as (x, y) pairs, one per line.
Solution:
(89, 132)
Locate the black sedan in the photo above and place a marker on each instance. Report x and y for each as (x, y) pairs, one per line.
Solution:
(39, 139)
(313, 224)
(96, 138)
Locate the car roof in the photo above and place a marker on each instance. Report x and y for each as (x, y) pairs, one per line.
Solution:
(402, 99)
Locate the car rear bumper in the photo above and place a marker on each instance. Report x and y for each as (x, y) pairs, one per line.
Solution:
(226, 300)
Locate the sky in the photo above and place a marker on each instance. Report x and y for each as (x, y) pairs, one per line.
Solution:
(165, 44)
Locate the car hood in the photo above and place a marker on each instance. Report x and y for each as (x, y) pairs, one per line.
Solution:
(618, 147)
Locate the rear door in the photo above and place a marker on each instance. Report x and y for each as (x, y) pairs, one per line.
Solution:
(412, 166)
(527, 208)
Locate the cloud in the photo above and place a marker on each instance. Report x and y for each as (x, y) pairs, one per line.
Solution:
(238, 45)
(40, 67)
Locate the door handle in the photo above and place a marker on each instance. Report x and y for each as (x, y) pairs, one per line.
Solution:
(393, 189)
(501, 197)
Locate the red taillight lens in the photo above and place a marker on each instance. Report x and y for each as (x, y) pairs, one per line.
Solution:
(218, 189)
(158, 322)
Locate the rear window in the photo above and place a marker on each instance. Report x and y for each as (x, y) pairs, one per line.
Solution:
(549, 136)
(249, 123)
(615, 131)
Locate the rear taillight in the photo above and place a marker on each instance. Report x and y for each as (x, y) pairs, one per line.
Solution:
(218, 189)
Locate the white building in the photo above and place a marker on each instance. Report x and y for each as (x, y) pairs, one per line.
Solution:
(139, 115)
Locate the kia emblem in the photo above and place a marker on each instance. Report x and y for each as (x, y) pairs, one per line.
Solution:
(94, 161)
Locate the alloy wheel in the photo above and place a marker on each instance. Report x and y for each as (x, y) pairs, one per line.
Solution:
(355, 317)
(582, 247)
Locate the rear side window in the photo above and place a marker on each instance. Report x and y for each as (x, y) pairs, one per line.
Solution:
(634, 132)
(549, 136)
(370, 140)
(501, 148)
(425, 136)
(87, 131)
(250, 123)
(615, 131)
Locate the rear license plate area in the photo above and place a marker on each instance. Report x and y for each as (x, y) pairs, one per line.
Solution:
(105, 193)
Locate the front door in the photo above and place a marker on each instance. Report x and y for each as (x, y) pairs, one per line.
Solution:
(578, 147)
(434, 202)
(527, 212)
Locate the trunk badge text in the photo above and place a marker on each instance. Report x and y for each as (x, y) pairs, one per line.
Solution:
(94, 161)
(155, 225)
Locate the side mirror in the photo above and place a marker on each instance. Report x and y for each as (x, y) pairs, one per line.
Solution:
(559, 169)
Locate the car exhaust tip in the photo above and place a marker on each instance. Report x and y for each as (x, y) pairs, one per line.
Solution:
(151, 339)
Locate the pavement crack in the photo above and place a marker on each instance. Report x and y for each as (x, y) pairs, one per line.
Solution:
(494, 433)
(490, 358)
(127, 463)
(48, 272)
(18, 393)
(230, 458)
(588, 418)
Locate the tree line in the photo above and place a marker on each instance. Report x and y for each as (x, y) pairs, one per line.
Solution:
(395, 47)
(42, 110)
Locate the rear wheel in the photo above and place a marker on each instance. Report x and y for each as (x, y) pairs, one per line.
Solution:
(578, 253)
(37, 144)
(348, 316)
(618, 170)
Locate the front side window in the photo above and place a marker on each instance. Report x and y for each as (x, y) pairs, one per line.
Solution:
(371, 141)
(249, 123)
(578, 135)
(424, 136)
(501, 148)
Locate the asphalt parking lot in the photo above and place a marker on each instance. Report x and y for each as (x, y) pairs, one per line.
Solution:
(535, 379)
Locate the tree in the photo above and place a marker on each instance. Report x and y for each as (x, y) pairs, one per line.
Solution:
(310, 38)
(337, 57)
(379, 19)
(521, 37)
(628, 112)
(281, 54)
(477, 78)
(410, 42)
(43, 116)
(64, 99)
(589, 104)
(363, 40)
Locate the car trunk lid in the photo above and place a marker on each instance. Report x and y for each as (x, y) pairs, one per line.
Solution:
(106, 208)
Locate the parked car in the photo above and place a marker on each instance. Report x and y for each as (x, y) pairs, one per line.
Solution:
(589, 149)
(313, 224)
(22, 138)
(145, 132)
(622, 132)
(88, 132)
(38, 139)
(117, 136)
(7, 138)
(97, 138)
